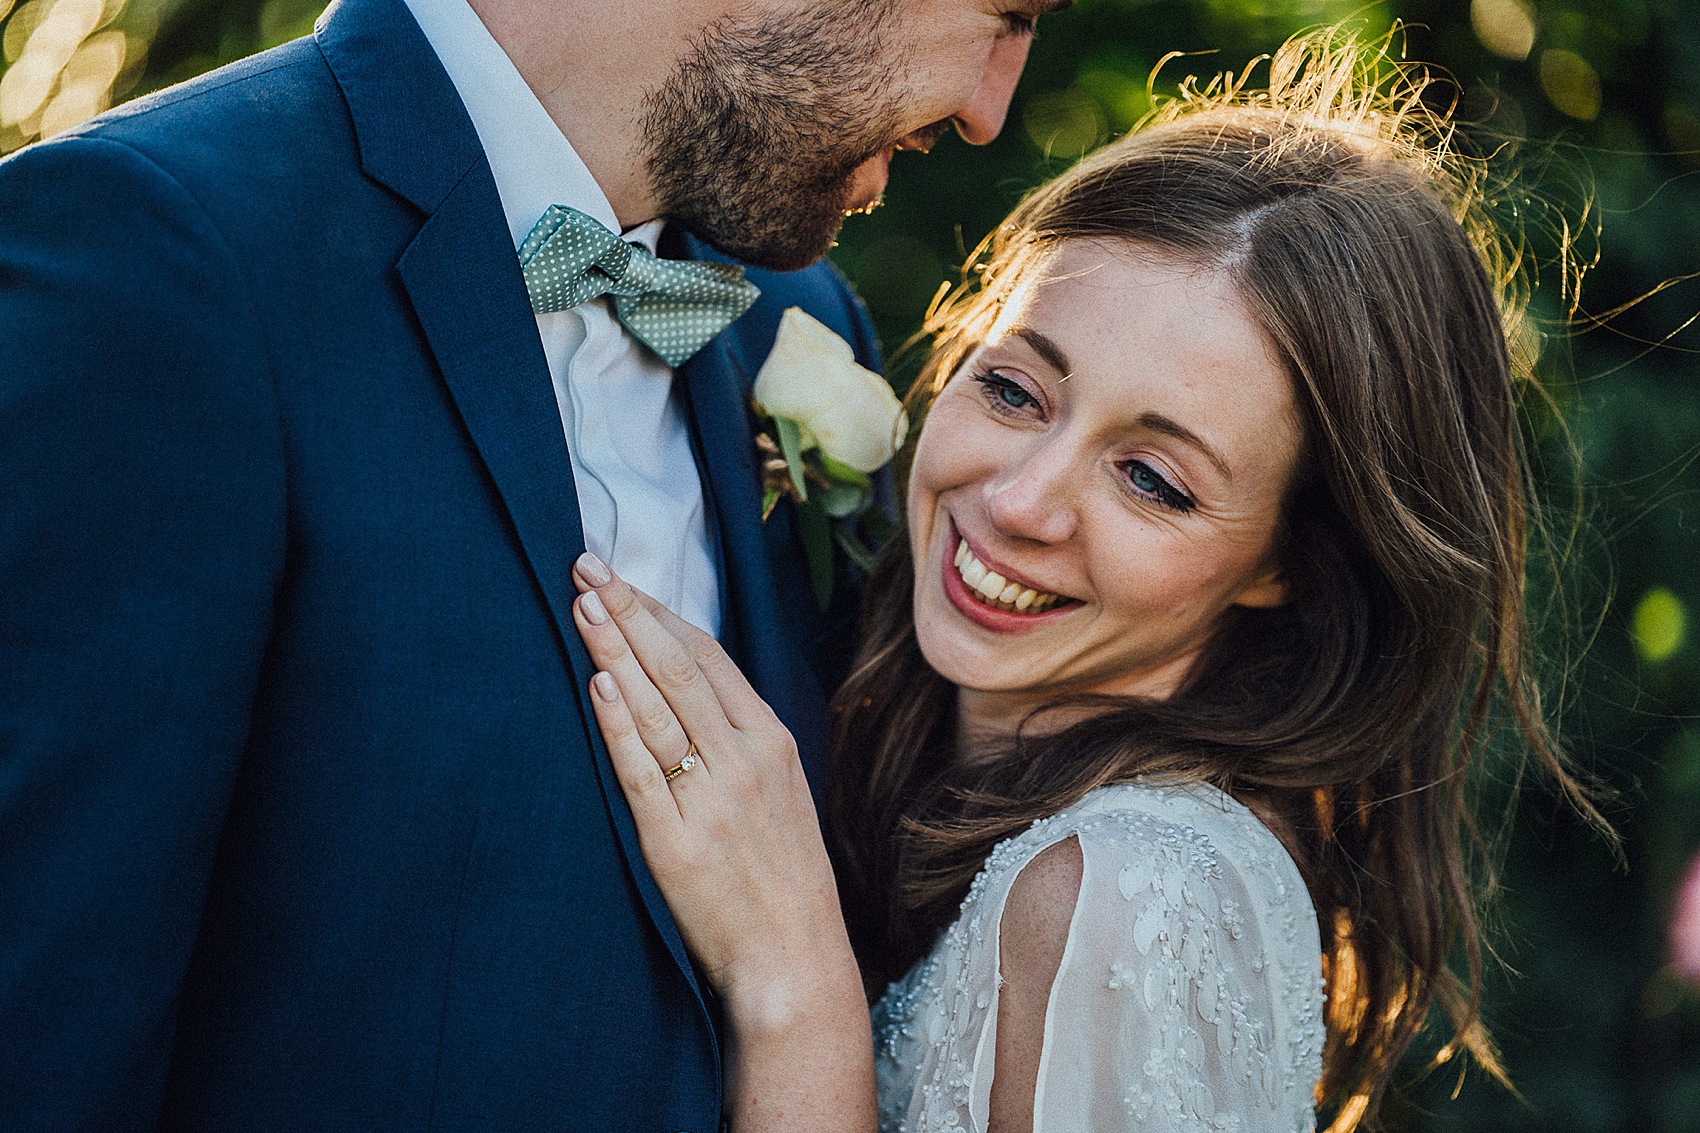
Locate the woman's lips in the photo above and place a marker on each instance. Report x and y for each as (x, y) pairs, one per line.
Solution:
(997, 585)
(970, 603)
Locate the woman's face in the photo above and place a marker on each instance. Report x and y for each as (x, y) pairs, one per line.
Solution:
(1111, 462)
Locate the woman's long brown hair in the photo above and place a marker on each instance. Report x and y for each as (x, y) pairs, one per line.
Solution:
(1350, 717)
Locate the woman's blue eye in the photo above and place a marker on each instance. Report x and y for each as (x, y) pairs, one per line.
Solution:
(1004, 393)
(1148, 482)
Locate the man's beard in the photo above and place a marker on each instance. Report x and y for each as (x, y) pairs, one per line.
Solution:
(753, 140)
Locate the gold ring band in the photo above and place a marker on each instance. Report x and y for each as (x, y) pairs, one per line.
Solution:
(683, 765)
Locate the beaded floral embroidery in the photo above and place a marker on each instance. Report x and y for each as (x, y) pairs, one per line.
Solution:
(1195, 921)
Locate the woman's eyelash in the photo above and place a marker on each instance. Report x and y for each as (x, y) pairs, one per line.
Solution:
(1150, 483)
(1005, 395)
(1009, 397)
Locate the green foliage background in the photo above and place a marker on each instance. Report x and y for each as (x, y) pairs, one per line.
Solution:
(1596, 1031)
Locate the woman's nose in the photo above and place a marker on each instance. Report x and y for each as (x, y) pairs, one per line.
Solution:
(981, 118)
(1034, 498)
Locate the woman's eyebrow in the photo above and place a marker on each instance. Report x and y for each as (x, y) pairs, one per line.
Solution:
(1044, 348)
(1169, 427)
(1053, 355)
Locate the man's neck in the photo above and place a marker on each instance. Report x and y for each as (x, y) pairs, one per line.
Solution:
(591, 71)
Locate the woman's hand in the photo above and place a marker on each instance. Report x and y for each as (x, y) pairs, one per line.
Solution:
(731, 838)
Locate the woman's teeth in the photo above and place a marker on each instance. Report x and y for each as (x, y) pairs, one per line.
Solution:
(994, 590)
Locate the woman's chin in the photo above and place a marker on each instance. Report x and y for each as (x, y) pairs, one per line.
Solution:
(1020, 666)
(949, 656)
(960, 657)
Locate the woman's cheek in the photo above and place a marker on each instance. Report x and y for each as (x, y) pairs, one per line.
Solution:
(919, 499)
(957, 446)
(930, 471)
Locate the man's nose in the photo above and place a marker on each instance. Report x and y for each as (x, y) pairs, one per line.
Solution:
(982, 116)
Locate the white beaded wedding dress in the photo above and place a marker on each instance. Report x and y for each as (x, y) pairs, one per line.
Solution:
(1189, 996)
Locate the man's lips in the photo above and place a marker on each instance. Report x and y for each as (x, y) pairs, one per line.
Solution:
(874, 174)
(925, 138)
(870, 180)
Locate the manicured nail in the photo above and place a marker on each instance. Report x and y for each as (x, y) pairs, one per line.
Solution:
(594, 611)
(605, 687)
(594, 570)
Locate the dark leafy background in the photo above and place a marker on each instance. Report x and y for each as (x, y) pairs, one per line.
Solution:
(1597, 1032)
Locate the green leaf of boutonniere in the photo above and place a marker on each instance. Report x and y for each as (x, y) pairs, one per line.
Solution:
(841, 500)
(791, 447)
(816, 529)
(841, 473)
(853, 547)
(833, 424)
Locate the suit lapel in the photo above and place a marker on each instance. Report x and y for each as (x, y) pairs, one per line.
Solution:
(463, 279)
(464, 282)
(761, 639)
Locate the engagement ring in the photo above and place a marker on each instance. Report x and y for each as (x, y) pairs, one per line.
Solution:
(684, 764)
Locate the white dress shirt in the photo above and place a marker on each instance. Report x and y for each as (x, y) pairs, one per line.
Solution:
(638, 489)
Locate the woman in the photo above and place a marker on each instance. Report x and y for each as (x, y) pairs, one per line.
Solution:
(1211, 589)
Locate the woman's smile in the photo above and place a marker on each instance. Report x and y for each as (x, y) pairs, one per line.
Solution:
(993, 595)
(1091, 496)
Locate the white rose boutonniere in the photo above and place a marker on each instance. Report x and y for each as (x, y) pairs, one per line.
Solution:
(832, 423)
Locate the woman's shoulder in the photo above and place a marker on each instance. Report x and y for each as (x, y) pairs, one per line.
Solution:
(1214, 828)
(1166, 920)
(1165, 867)
(1153, 827)
(1182, 960)
(1161, 863)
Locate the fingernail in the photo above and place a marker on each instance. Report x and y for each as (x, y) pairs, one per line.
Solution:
(594, 611)
(594, 570)
(605, 687)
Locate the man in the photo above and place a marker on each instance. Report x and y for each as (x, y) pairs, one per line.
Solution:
(305, 822)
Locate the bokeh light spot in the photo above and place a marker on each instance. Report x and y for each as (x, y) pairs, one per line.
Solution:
(1065, 123)
(64, 68)
(24, 87)
(1682, 128)
(1505, 27)
(85, 86)
(20, 27)
(1659, 625)
(1124, 99)
(1570, 84)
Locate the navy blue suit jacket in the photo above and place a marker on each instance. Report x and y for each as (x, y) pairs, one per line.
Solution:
(302, 824)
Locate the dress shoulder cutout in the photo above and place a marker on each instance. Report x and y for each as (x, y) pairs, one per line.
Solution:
(1189, 995)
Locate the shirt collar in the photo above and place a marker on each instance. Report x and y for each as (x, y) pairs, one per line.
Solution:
(533, 164)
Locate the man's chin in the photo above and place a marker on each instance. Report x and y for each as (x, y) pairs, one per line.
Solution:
(789, 239)
(790, 249)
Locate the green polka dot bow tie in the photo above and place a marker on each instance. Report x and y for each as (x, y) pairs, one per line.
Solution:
(674, 307)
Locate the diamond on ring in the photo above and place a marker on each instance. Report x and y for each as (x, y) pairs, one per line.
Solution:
(685, 764)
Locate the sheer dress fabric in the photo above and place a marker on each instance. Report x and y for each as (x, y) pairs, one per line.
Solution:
(1189, 996)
